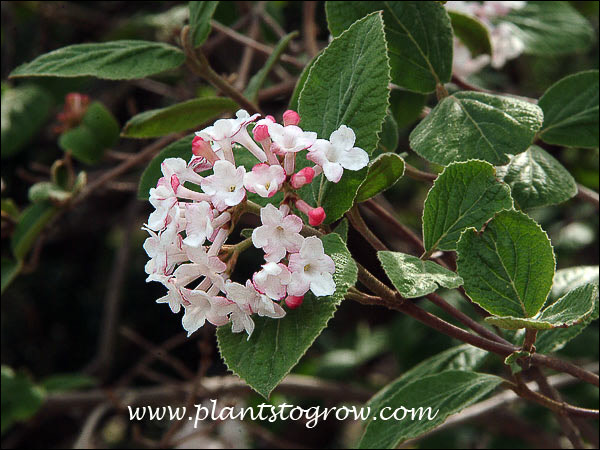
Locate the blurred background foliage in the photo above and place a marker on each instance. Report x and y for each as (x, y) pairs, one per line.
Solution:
(75, 258)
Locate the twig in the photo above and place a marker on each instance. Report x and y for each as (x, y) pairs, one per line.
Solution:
(588, 195)
(199, 65)
(359, 225)
(267, 50)
(417, 174)
(284, 88)
(248, 55)
(309, 28)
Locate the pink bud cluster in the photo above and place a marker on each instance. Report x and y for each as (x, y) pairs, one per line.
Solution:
(193, 218)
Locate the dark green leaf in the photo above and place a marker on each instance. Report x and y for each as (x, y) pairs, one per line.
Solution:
(31, 223)
(419, 38)
(176, 118)
(116, 60)
(472, 33)
(21, 399)
(10, 270)
(200, 16)
(384, 172)
(476, 125)
(67, 382)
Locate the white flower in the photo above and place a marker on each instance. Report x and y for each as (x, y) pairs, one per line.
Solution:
(506, 44)
(165, 251)
(174, 298)
(272, 280)
(338, 154)
(199, 227)
(225, 132)
(311, 269)
(240, 321)
(201, 307)
(202, 265)
(163, 198)
(264, 180)
(279, 233)
(226, 186)
(250, 301)
(290, 139)
(178, 167)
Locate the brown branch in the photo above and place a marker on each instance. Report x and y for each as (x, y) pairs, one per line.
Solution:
(248, 55)
(588, 195)
(359, 225)
(284, 88)
(309, 28)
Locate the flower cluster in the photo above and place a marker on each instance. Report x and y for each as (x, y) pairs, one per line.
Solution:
(195, 213)
(506, 44)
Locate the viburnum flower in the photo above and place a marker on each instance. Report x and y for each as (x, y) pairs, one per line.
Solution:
(311, 269)
(338, 154)
(165, 250)
(279, 233)
(174, 298)
(225, 132)
(290, 139)
(272, 280)
(264, 180)
(253, 302)
(202, 265)
(226, 186)
(199, 228)
(200, 307)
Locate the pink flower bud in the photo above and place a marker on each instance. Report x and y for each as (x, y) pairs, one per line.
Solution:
(293, 301)
(200, 147)
(271, 118)
(175, 183)
(316, 216)
(261, 133)
(290, 118)
(302, 177)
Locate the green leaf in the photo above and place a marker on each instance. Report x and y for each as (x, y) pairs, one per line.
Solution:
(347, 85)
(551, 28)
(464, 195)
(571, 278)
(475, 125)
(98, 131)
(406, 106)
(276, 346)
(342, 229)
(508, 268)
(24, 111)
(260, 77)
(10, 271)
(413, 277)
(472, 33)
(447, 393)
(67, 382)
(384, 172)
(389, 137)
(537, 179)
(31, 223)
(572, 309)
(419, 38)
(21, 399)
(116, 60)
(46, 190)
(176, 118)
(179, 149)
(571, 111)
(301, 82)
(200, 15)
(10, 209)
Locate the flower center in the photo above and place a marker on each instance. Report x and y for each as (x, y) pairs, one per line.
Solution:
(267, 185)
(307, 267)
(232, 188)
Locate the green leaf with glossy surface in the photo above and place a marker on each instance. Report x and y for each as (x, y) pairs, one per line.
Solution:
(98, 131)
(257, 81)
(571, 111)
(31, 223)
(389, 136)
(406, 106)
(472, 33)
(116, 60)
(384, 172)
(571, 278)
(24, 111)
(413, 277)
(508, 268)
(301, 82)
(476, 125)
(178, 149)
(176, 118)
(464, 195)
(537, 179)
(447, 393)
(200, 15)
(550, 28)
(277, 345)
(347, 85)
(419, 38)
(572, 309)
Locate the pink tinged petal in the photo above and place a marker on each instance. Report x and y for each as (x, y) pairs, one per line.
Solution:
(343, 137)
(291, 118)
(323, 285)
(299, 284)
(292, 223)
(293, 301)
(316, 216)
(296, 263)
(194, 317)
(260, 236)
(274, 253)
